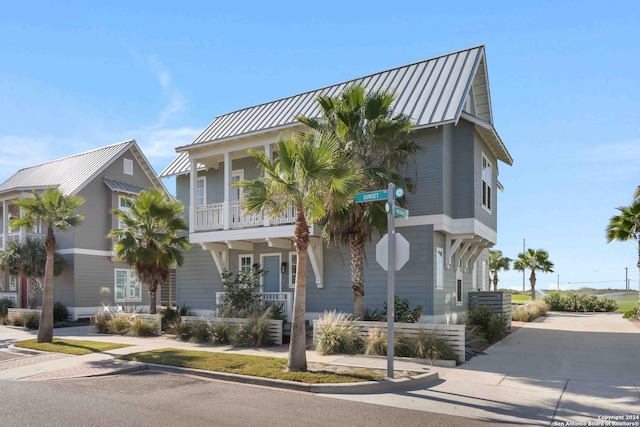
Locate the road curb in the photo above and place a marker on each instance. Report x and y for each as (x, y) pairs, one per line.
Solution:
(343, 388)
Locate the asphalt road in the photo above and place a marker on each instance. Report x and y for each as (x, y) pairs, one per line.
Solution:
(154, 398)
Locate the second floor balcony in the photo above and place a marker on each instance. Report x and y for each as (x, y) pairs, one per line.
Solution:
(215, 216)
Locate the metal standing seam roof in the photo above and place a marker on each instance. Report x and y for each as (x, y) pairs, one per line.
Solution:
(431, 92)
(122, 187)
(70, 174)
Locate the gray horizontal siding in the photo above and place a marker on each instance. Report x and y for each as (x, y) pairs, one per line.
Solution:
(426, 169)
(463, 171)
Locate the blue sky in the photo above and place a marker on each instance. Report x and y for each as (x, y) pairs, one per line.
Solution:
(563, 75)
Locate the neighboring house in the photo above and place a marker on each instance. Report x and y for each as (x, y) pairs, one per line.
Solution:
(636, 195)
(453, 212)
(103, 177)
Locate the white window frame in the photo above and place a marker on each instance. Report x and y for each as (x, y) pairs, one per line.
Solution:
(123, 207)
(13, 283)
(439, 268)
(487, 183)
(131, 282)
(293, 268)
(128, 167)
(240, 266)
(239, 173)
(203, 196)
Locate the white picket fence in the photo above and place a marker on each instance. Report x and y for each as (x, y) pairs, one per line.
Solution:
(452, 334)
(275, 326)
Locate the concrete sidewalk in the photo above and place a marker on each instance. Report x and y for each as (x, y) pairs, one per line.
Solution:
(569, 367)
(36, 366)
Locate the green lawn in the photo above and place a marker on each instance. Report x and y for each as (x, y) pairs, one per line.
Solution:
(626, 301)
(75, 347)
(520, 299)
(257, 366)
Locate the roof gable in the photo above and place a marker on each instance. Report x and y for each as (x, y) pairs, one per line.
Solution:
(70, 174)
(432, 92)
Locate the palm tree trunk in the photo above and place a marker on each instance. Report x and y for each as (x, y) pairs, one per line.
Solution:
(532, 280)
(152, 299)
(495, 281)
(297, 361)
(45, 331)
(638, 314)
(356, 246)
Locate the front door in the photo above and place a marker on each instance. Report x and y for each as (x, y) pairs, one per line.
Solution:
(271, 266)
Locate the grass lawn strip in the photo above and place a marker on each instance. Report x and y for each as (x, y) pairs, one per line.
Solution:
(257, 366)
(75, 347)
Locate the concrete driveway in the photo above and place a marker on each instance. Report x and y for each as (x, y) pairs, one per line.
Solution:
(568, 367)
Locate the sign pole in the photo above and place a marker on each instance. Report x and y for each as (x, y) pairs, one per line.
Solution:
(391, 278)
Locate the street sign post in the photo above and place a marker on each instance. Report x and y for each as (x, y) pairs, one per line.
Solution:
(390, 194)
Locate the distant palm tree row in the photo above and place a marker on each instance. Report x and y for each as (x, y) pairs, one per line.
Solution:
(536, 260)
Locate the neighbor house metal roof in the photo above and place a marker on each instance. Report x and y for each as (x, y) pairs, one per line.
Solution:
(70, 174)
(431, 92)
(122, 187)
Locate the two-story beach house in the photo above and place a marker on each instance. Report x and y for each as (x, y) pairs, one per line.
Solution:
(453, 211)
(104, 178)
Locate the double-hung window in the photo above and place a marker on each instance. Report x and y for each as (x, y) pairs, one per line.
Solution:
(127, 286)
(246, 264)
(487, 182)
(123, 206)
(201, 191)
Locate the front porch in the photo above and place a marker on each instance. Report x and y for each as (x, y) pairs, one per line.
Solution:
(214, 216)
(284, 298)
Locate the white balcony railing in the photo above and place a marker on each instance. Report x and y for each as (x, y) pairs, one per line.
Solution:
(15, 237)
(284, 298)
(211, 217)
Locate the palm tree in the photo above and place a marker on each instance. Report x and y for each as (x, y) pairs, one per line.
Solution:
(150, 240)
(380, 144)
(309, 175)
(626, 226)
(29, 258)
(497, 262)
(52, 210)
(534, 260)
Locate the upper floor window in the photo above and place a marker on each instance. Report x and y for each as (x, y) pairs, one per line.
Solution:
(128, 166)
(201, 191)
(487, 182)
(236, 192)
(123, 206)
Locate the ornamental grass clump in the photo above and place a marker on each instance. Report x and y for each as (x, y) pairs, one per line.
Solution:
(118, 325)
(253, 333)
(220, 332)
(376, 344)
(100, 322)
(427, 345)
(141, 328)
(200, 332)
(529, 311)
(181, 330)
(337, 333)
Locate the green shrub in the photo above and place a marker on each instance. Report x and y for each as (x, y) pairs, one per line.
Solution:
(575, 302)
(169, 315)
(241, 294)
(220, 332)
(31, 320)
(372, 315)
(100, 322)
(276, 310)
(60, 312)
(427, 345)
(118, 325)
(182, 331)
(376, 344)
(186, 311)
(402, 312)
(631, 314)
(336, 333)
(5, 305)
(200, 332)
(141, 328)
(490, 324)
(18, 320)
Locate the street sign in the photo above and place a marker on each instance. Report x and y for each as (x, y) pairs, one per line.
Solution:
(398, 212)
(401, 252)
(373, 196)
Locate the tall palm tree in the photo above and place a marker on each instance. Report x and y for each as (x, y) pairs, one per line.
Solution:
(29, 258)
(380, 144)
(497, 262)
(53, 210)
(308, 174)
(534, 260)
(626, 226)
(151, 239)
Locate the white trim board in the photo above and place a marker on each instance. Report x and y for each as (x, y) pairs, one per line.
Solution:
(449, 225)
(82, 251)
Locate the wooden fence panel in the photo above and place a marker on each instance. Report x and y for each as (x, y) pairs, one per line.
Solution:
(499, 302)
(275, 326)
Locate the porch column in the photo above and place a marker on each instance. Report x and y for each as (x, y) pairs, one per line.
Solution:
(269, 154)
(193, 173)
(226, 210)
(5, 225)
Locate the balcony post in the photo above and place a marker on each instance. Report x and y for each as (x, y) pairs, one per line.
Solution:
(226, 209)
(5, 225)
(193, 174)
(267, 151)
